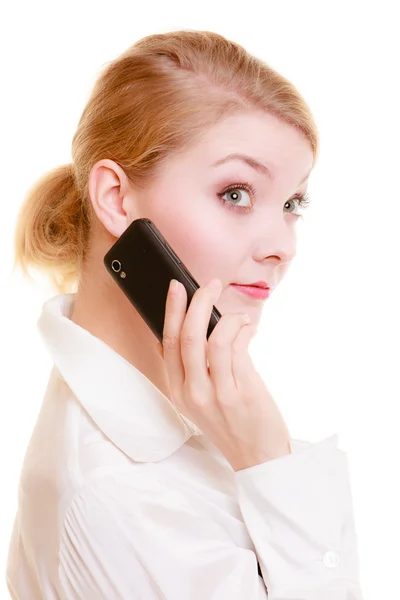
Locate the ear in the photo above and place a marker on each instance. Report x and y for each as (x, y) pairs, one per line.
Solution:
(111, 196)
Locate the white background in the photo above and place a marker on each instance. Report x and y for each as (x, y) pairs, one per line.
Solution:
(328, 342)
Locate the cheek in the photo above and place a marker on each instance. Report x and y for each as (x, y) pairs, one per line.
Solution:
(205, 248)
(197, 233)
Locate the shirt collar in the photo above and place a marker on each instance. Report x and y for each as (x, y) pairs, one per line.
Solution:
(133, 413)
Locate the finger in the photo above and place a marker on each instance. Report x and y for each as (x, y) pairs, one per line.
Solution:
(194, 335)
(243, 369)
(219, 352)
(175, 310)
(160, 350)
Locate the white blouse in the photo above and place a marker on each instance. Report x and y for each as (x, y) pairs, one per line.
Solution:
(121, 497)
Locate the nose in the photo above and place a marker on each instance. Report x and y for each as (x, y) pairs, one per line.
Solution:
(278, 241)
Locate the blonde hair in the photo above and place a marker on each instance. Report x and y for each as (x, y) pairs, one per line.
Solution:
(155, 99)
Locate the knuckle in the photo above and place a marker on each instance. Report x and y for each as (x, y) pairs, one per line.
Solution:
(188, 339)
(199, 401)
(225, 330)
(227, 400)
(197, 398)
(216, 340)
(170, 342)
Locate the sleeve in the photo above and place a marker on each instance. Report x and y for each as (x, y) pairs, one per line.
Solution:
(143, 540)
(298, 511)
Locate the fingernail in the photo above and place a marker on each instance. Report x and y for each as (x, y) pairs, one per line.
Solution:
(174, 286)
(214, 283)
(246, 318)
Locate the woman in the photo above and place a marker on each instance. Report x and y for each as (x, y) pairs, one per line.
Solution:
(167, 472)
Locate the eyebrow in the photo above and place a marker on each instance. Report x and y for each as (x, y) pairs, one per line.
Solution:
(254, 164)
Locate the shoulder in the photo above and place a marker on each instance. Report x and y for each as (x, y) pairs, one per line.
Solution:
(66, 454)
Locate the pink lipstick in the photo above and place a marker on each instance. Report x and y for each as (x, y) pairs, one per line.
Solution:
(259, 293)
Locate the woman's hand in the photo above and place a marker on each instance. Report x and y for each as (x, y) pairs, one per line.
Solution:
(228, 401)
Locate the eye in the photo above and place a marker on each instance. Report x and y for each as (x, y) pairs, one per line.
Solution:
(237, 197)
(303, 201)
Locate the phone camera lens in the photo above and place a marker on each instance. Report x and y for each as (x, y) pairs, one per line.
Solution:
(116, 266)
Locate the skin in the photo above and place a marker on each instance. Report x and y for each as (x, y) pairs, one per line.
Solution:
(212, 240)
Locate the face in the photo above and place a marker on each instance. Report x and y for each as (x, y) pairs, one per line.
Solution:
(224, 217)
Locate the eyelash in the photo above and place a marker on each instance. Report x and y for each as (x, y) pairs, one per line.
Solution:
(303, 199)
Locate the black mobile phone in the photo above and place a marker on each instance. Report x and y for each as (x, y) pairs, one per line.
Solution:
(142, 263)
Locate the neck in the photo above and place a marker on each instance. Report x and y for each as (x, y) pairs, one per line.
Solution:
(102, 308)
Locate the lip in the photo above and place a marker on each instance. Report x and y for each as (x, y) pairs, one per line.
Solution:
(261, 284)
(253, 291)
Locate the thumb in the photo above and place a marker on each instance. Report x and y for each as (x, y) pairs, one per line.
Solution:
(242, 365)
(245, 336)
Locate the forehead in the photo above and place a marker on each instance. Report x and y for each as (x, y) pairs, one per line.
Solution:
(284, 150)
(261, 135)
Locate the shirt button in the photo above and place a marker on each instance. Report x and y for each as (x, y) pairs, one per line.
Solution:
(330, 559)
